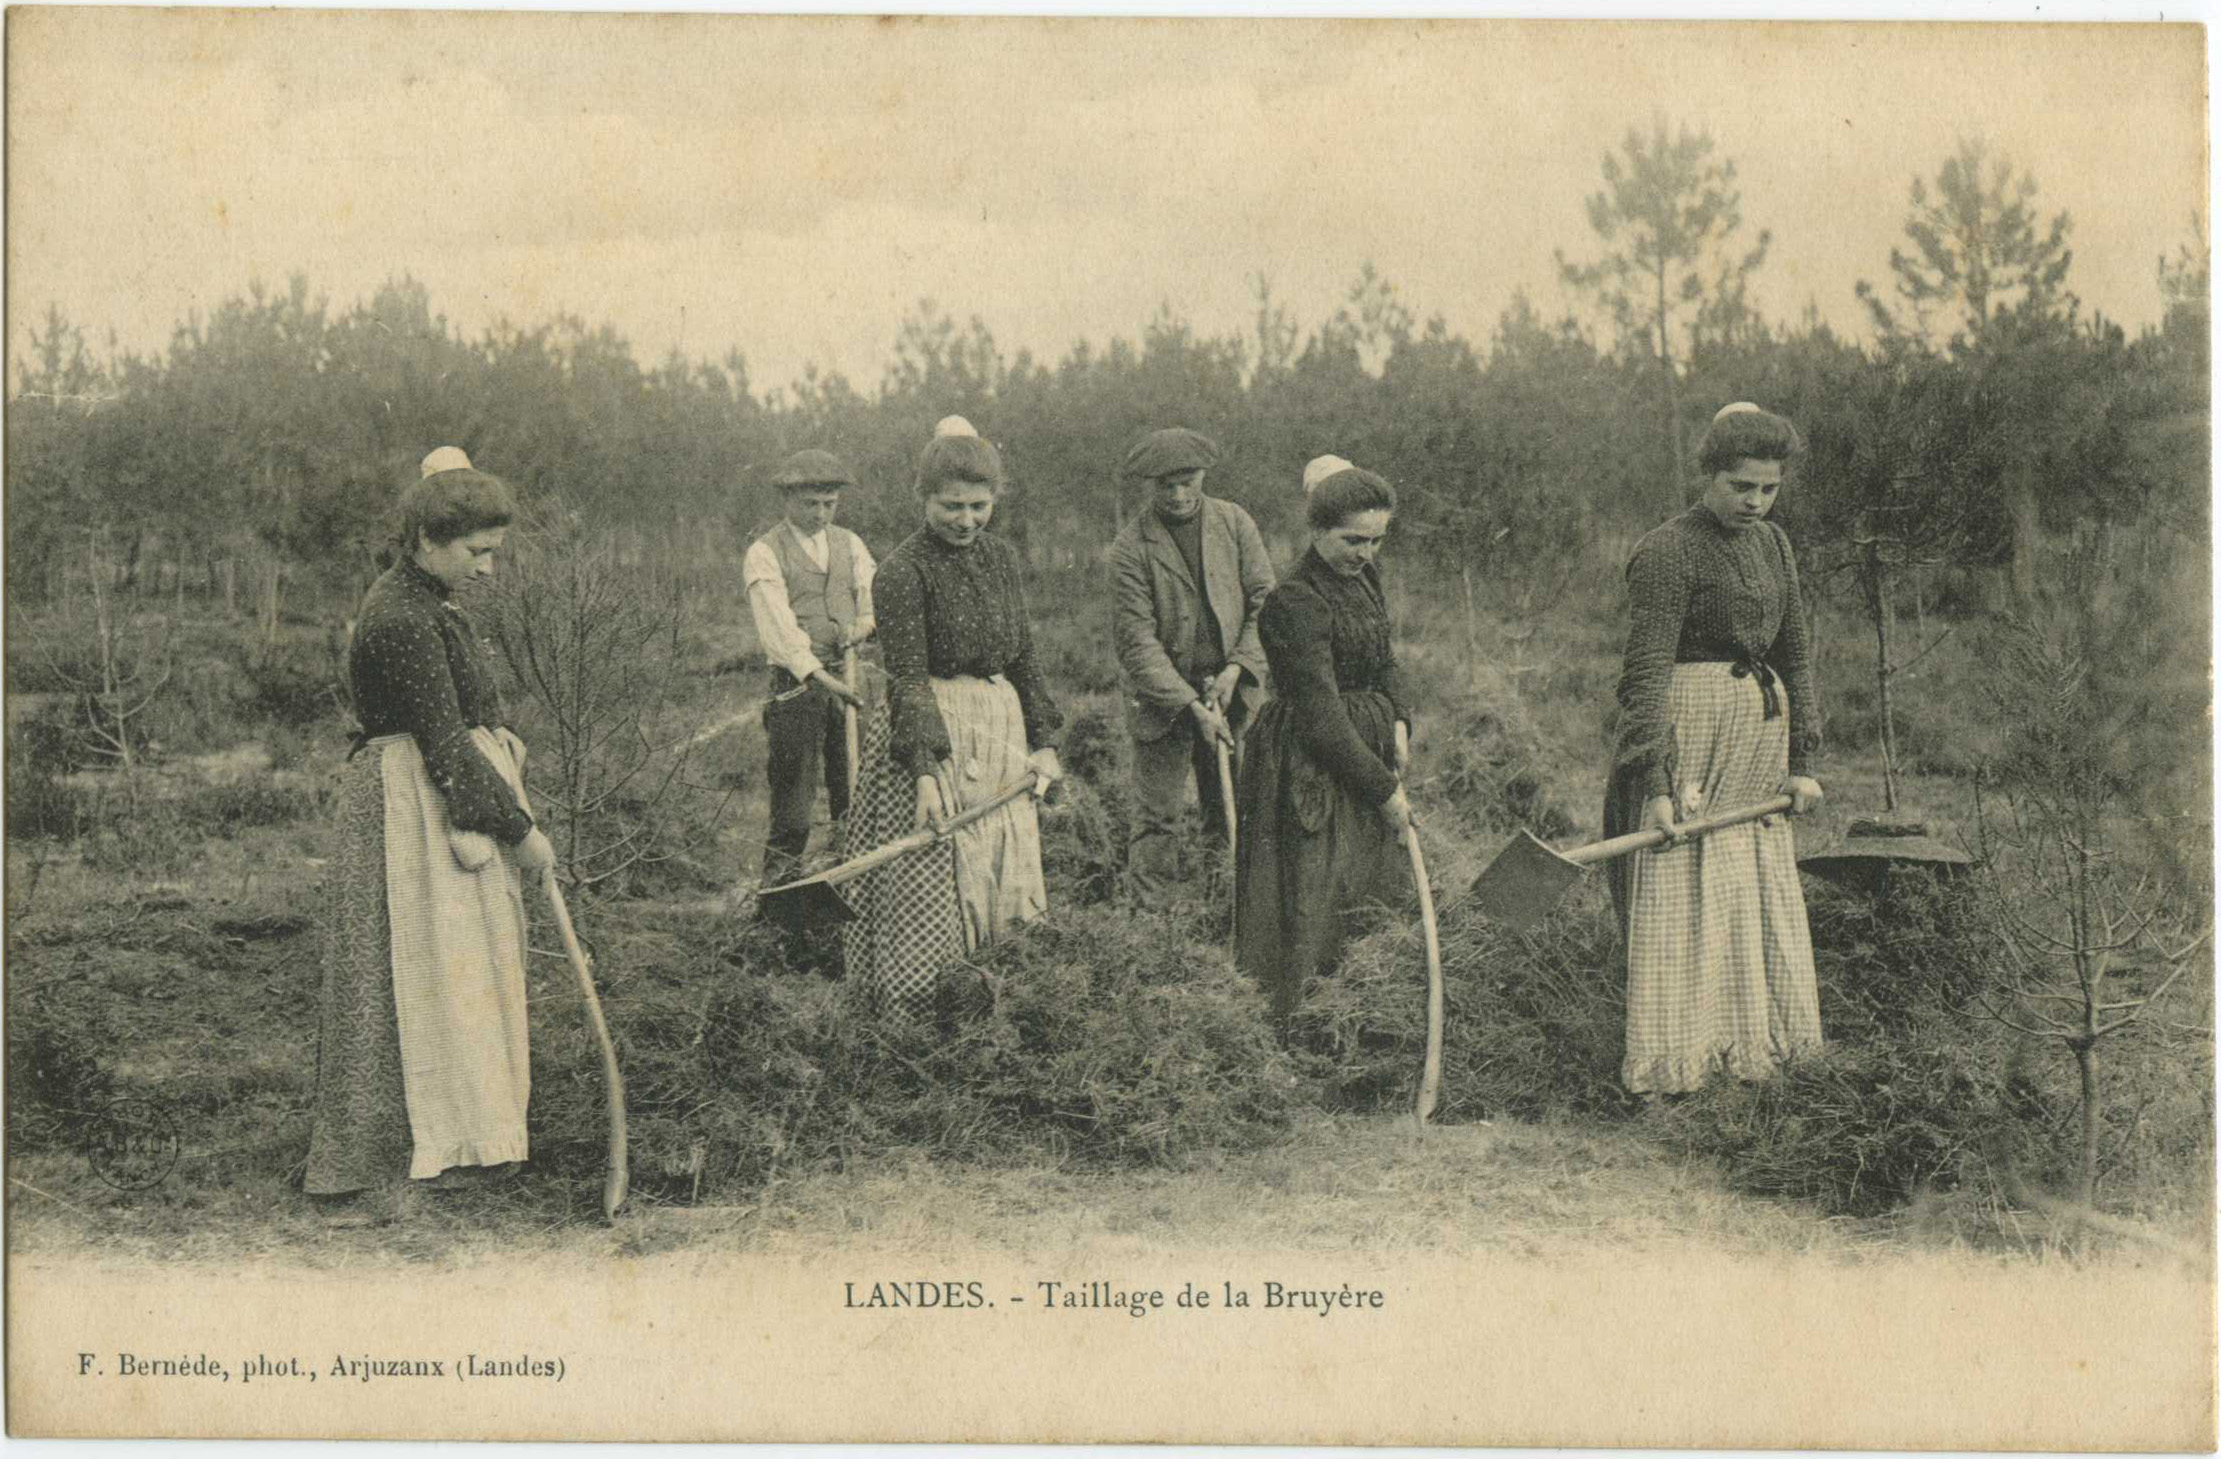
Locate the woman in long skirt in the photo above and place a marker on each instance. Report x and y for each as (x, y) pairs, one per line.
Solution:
(967, 714)
(1717, 711)
(422, 1065)
(1322, 802)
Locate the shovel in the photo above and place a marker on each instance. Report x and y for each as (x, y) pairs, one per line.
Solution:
(816, 901)
(1527, 878)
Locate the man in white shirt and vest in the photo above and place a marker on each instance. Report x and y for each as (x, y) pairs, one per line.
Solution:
(809, 589)
(1189, 576)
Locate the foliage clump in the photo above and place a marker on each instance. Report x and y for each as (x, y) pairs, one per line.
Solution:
(1533, 1021)
(59, 1042)
(1092, 1037)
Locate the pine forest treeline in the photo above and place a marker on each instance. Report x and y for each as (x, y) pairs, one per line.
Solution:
(1988, 419)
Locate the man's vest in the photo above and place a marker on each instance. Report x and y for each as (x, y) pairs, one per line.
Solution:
(823, 598)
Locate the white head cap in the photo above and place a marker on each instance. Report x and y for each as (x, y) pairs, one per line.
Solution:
(446, 458)
(953, 425)
(1320, 468)
(1738, 408)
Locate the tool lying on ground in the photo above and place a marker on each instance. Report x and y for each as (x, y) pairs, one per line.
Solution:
(816, 900)
(619, 1179)
(1430, 1077)
(1527, 878)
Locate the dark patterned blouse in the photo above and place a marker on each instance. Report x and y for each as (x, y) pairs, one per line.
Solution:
(416, 668)
(945, 611)
(1699, 593)
(1326, 637)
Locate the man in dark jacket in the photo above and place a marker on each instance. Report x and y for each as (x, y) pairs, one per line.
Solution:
(1189, 576)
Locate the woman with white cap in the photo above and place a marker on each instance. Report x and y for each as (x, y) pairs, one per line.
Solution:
(968, 713)
(1717, 711)
(422, 1065)
(1322, 800)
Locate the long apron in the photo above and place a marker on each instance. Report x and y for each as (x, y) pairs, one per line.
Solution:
(1313, 861)
(1719, 956)
(923, 911)
(422, 1056)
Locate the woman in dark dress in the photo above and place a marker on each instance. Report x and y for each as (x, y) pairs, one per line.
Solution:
(422, 1063)
(1717, 710)
(1322, 802)
(967, 714)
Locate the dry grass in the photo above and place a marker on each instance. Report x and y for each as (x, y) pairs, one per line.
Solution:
(191, 977)
(1550, 1193)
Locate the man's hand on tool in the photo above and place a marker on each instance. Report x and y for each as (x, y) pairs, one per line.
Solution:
(1223, 686)
(1396, 810)
(1211, 721)
(840, 689)
(1805, 795)
(1046, 768)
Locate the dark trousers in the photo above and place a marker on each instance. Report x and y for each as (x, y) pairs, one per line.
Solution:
(808, 744)
(1164, 768)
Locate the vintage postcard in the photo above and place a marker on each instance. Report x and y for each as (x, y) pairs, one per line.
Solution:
(1175, 730)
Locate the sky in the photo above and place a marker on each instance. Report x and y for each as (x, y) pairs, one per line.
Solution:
(791, 188)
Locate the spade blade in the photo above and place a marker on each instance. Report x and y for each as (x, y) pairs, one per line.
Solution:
(806, 904)
(1522, 884)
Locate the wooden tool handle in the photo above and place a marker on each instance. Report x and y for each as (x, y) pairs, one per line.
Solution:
(1430, 1073)
(1619, 846)
(617, 1180)
(1226, 787)
(851, 737)
(904, 845)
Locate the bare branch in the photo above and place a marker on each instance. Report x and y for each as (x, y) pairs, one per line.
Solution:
(1931, 648)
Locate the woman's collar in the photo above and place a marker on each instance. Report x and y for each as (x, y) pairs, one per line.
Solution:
(413, 573)
(1317, 567)
(1702, 516)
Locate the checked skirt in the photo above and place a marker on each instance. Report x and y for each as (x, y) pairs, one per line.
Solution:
(923, 911)
(1719, 958)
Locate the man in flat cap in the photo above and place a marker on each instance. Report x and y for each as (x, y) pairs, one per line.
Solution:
(1189, 574)
(809, 589)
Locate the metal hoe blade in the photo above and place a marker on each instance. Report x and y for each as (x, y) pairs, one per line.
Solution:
(805, 904)
(1523, 883)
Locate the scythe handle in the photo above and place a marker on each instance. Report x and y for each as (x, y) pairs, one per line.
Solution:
(1430, 1072)
(617, 1179)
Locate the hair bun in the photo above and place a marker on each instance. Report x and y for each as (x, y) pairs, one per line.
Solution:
(445, 458)
(1319, 468)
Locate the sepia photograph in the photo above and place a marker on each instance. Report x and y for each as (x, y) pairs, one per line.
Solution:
(1186, 730)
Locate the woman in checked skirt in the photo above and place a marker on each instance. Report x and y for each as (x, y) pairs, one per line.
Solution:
(968, 713)
(1718, 710)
